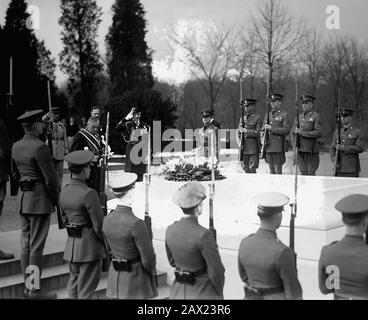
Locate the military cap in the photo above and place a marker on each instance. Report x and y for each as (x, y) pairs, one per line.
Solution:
(95, 107)
(189, 195)
(31, 116)
(270, 203)
(346, 111)
(78, 159)
(277, 96)
(122, 182)
(207, 113)
(249, 101)
(353, 205)
(306, 97)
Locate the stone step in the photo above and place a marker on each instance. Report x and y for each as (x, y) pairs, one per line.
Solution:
(54, 278)
(100, 293)
(12, 267)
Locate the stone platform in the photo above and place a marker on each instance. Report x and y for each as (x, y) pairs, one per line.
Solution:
(317, 222)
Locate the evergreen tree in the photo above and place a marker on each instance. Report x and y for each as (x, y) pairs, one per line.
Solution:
(80, 58)
(29, 85)
(129, 59)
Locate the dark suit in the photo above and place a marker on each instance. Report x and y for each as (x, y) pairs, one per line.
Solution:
(191, 247)
(277, 143)
(85, 140)
(251, 147)
(350, 256)
(353, 141)
(32, 161)
(265, 263)
(308, 156)
(131, 130)
(82, 208)
(128, 239)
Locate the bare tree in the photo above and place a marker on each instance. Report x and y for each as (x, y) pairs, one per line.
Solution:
(310, 55)
(278, 34)
(209, 53)
(356, 60)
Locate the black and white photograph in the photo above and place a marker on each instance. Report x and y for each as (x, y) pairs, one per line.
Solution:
(169, 150)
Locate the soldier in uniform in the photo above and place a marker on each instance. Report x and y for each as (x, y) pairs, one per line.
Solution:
(60, 146)
(89, 139)
(278, 128)
(251, 131)
(132, 271)
(38, 196)
(84, 248)
(266, 265)
(5, 154)
(209, 123)
(132, 134)
(352, 143)
(347, 258)
(310, 130)
(192, 250)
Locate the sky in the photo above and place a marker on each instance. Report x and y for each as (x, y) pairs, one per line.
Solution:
(163, 13)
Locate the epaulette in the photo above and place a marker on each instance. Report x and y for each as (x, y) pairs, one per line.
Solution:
(333, 242)
(252, 234)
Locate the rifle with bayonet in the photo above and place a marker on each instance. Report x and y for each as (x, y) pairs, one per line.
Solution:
(293, 206)
(212, 185)
(266, 133)
(104, 168)
(337, 161)
(50, 124)
(242, 138)
(147, 217)
(14, 184)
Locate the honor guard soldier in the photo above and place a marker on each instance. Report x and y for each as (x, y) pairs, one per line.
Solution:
(352, 143)
(38, 196)
(252, 127)
(132, 271)
(266, 265)
(84, 248)
(209, 123)
(347, 259)
(132, 134)
(5, 155)
(89, 139)
(60, 145)
(192, 250)
(310, 130)
(279, 128)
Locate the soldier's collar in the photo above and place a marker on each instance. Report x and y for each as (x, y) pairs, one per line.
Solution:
(267, 233)
(307, 113)
(77, 180)
(352, 239)
(273, 111)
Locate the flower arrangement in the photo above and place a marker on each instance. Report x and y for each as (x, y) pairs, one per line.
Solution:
(190, 169)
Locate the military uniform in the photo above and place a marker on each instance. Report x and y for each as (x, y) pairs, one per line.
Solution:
(205, 133)
(192, 250)
(353, 141)
(265, 264)
(310, 124)
(85, 249)
(277, 142)
(39, 192)
(132, 272)
(85, 140)
(5, 154)
(349, 255)
(250, 148)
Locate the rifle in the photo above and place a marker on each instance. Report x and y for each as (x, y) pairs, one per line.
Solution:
(50, 128)
(242, 138)
(265, 139)
(147, 218)
(212, 185)
(104, 169)
(14, 184)
(293, 206)
(337, 162)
